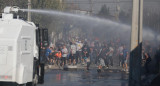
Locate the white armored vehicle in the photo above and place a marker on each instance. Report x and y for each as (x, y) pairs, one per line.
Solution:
(19, 51)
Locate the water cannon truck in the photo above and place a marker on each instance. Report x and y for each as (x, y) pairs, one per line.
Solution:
(21, 62)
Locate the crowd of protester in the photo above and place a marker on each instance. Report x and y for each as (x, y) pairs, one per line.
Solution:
(88, 52)
(150, 58)
(102, 54)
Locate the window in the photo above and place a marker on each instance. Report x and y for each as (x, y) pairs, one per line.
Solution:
(25, 45)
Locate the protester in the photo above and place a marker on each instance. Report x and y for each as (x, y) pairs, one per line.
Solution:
(102, 58)
(109, 56)
(143, 57)
(58, 57)
(52, 56)
(73, 54)
(85, 52)
(120, 54)
(79, 52)
(91, 55)
(64, 55)
(47, 54)
(88, 61)
(125, 59)
(148, 60)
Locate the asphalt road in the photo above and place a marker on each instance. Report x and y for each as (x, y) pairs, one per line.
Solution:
(85, 78)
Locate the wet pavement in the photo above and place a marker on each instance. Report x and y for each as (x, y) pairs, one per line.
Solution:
(85, 78)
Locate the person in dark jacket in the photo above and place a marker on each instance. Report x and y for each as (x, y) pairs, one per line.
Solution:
(148, 60)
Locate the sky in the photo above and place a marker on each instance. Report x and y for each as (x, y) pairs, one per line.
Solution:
(125, 5)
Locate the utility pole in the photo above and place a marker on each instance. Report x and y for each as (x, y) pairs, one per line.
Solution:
(29, 13)
(91, 6)
(117, 10)
(61, 4)
(136, 44)
(91, 13)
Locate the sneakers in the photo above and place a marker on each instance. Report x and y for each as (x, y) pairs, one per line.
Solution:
(83, 63)
(120, 64)
(126, 70)
(106, 67)
(122, 69)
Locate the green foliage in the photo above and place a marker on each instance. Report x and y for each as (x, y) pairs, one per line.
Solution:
(19, 3)
(104, 12)
(45, 21)
(151, 19)
(125, 17)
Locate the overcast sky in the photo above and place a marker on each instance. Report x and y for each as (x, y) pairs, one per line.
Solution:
(125, 5)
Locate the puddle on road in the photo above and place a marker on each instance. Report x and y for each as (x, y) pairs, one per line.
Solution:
(85, 78)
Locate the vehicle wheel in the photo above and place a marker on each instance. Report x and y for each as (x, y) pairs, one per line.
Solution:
(34, 82)
(22, 85)
(41, 77)
(29, 84)
(35, 77)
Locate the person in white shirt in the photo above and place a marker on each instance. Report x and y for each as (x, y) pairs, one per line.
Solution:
(79, 51)
(120, 54)
(73, 53)
(64, 55)
(109, 56)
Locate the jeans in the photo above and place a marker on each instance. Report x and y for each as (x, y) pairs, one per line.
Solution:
(64, 60)
(109, 58)
(120, 60)
(78, 56)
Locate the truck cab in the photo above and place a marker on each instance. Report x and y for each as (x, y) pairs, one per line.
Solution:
(19, 51)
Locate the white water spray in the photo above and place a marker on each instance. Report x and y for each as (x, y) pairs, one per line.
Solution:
(147, 34)
(80, 17)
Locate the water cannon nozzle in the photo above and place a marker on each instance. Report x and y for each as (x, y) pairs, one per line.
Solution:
(15, 9)
(10, 9)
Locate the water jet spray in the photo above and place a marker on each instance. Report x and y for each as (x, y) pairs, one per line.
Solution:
(89, 21)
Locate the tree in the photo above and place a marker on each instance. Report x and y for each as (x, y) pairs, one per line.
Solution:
(104, 12)
(53, 23)
(125, 17)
